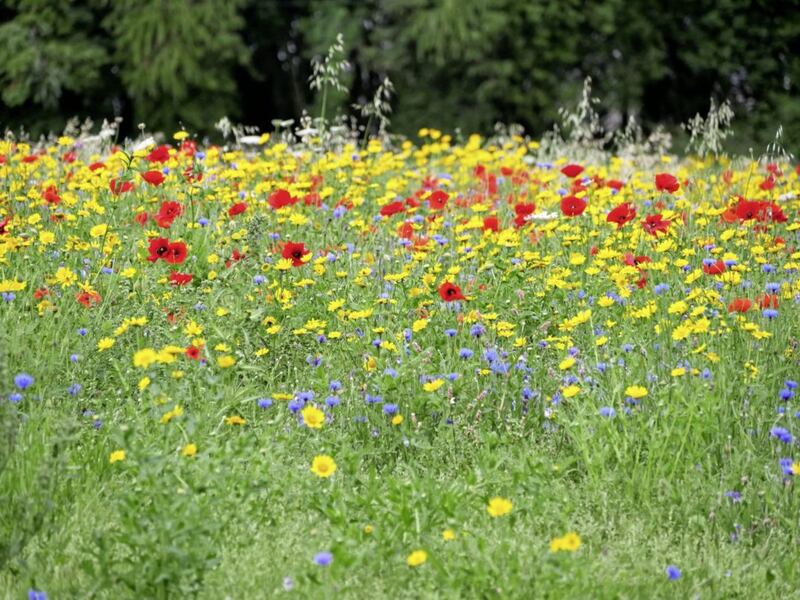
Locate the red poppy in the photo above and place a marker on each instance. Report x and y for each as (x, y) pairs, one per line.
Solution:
(237, 209)
(717, 268)
(392, 208)
(88, 299)
(158, 248)
(176, 253)
(767, 301)
(767, 184)
(406, 230)
(450, 292)
(119, 187)
(189, 147)
(236, 256)
(777, 214)
(69, 157)
(41, 293)
(191, 175)
(176, 278)
(747, 210)
(491, 223)
(96, 166)
(740, 305)
(572, 206)
(193, 353)
(159, 155)
(615, 184)
(155, 178)
(667, 183)
(572, 170)
(438, 200)
(167, 213)
(295, 252)
(655, 224)
(622, 214)
(31, 158)
(280, 198)
(141, 218)
(522, 211)
(634, 261)
(50, 195)
(3, 224)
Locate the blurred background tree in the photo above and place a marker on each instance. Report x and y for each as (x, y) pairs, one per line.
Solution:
(454, 63)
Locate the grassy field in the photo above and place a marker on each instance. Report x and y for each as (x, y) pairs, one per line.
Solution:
(432, 370)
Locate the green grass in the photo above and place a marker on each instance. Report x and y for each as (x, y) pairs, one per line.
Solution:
(644, 489)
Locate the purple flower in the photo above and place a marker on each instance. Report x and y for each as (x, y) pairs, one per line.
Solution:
(607, 411)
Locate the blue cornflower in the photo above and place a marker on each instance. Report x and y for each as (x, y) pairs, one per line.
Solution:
(23, 381)
(323, 559)
(734, 496)
(36, 595)
(74, 389)
(465, 353)
(334, 385)
(264, 402)
(370, 399)
(390, 372)
(782, 434)
(389, 409)
(305, 396)
(673, 572)
(202, 221)
(295, 405)
(259, 279)
(15, 398)
(790, 384)
(450, 332)
(785, 394)
(661, 288)
(477, 330)
(499, 367)
(607, 411)
(769, 313)
(332, 401)
(773, 288)
(82, 331)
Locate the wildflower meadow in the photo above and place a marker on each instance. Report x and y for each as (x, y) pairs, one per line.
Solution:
(438, 367)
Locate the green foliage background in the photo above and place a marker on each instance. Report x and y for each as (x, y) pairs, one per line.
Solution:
(454, 63)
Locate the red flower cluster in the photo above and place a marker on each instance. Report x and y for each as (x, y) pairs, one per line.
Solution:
(172, 252)
(522, 212)
(167, 213)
